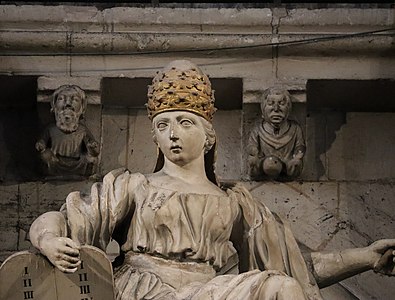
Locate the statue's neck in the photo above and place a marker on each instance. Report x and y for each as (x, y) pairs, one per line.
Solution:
(192, 172)
(275, 129)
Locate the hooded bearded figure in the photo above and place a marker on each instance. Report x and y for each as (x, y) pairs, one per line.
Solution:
(181, 235)
(68, 147)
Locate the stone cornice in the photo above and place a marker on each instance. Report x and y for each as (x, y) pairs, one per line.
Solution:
(75, 30)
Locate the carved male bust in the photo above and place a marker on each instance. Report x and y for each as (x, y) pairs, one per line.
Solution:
(276, 145)
(68, 147)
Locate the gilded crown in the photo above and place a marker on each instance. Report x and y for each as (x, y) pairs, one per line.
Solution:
(181, 85)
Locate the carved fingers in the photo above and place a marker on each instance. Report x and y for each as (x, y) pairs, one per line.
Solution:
(293, 166)
(62, 252)
(40, 146)
(385, 264)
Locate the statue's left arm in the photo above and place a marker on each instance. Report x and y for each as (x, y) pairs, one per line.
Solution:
(91, 144)
(42, 142)
(253, 149)
(268, 243)
(83, 219)
(300, 146)
(331, 267)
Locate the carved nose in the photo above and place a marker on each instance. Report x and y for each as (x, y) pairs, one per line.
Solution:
(68, 102)
(173, 136)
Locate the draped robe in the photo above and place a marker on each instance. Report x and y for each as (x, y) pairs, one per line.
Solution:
(185, 245)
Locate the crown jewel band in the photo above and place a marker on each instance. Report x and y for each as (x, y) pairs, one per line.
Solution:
(181, 85)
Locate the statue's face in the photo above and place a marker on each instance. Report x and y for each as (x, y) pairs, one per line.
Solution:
(180, 135)
(68, 100)
(68, 109)
(276, 109)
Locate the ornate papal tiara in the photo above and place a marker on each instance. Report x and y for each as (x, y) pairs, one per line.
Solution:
(181, 86)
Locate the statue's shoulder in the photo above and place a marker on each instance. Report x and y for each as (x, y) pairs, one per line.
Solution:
(235, 188)
(124, 175)
(257, 126)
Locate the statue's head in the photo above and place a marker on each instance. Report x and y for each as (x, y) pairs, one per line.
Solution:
(182, 90)
(69, 105)
(276, 106)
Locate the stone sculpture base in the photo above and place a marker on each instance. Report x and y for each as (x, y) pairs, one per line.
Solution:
(27, 275)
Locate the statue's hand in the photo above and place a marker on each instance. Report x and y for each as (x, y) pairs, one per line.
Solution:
(93, 148)
(62, 252)
(40, 146)
(293, 166)
(384, 253)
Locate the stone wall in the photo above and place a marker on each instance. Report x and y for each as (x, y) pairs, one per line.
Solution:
(344, 197)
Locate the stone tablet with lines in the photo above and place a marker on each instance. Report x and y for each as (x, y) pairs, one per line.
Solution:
(27, 275)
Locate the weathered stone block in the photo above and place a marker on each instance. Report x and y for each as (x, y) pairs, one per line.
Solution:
(311, 222)
(370, 286)
(28, 41)
(165, 17)
(34, 65)
(338, 16)
(369, 208)
(52, 195)
(114, 140)
(9, 205)
(297, 68)
(8, 238)
(86, 83)
(29, 202)
(141, 149)
(114, 66)
(227, 125)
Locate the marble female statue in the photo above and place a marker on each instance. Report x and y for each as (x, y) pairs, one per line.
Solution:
(181, 235)
(276, 145)
(68, 147)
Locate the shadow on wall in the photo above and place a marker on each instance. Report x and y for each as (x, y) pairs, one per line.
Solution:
(341, 151)
(19, 126)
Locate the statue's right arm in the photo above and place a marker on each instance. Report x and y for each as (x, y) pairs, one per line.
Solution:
(42, 142)
(333, 266)
(253, 153)
(48, 233)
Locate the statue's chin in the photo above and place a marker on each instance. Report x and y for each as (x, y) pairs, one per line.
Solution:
(67, 127)
(67, 121)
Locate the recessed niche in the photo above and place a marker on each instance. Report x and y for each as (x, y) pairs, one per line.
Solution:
(351, 95)
(132, 92)
(19, 123)
(350, 132)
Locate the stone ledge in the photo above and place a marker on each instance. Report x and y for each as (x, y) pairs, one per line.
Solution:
(339, 16)
(91, 85)
(44, 42)
(51, 83)
(120, 18)
(80, 29)
(63, 17)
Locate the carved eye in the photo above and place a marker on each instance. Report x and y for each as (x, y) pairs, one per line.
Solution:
(161, 125)
(186, 123)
